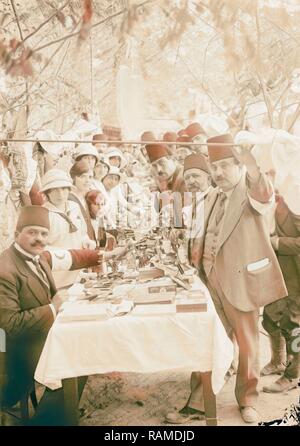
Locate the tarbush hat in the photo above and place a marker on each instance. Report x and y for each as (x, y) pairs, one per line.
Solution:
(196, 161)
(156, 151)
(194, 129)
(98, 138)
(170, 137)
(216, 151)
(33, 216)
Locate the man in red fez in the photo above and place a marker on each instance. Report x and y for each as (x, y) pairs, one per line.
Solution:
(167, 171)
(169, 176)
(197, 134)
(183, 150)
(170, 138)
(29, 303)
(238, 264)
(99, 144)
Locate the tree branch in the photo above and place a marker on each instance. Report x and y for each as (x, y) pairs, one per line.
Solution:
(262, 84)
(294, 119)
(46, 21)
(76, 33)
(17, 19)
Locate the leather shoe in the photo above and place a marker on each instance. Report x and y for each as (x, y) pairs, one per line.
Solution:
(185, 415)
(272, 369)
(249, 414)
(281, 385)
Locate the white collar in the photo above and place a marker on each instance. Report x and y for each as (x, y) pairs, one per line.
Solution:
(51, 207)
(27, 254)
(206, 192)
(227, 193)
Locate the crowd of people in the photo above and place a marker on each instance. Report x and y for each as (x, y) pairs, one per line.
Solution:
(239, 232)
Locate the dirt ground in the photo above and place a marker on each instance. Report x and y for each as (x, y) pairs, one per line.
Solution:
(130, 399)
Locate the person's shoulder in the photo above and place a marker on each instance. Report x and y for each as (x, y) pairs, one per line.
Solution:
(73, 205)
(6, 254)
(7, 265)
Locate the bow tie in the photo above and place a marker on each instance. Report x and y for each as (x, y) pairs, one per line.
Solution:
(72, 227)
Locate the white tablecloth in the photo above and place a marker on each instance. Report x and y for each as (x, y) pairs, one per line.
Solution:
(142, 344)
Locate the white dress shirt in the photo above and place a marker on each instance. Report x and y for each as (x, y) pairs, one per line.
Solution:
(33, 268)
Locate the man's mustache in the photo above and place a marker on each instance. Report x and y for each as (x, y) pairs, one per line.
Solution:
(35, 244)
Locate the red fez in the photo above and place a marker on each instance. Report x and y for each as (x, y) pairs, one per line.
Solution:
(33, 216)
(182, 133)
(79, 167)
(156, 151)
(170, 137)
(218, 152)
(194, 129)
(98, 138)
(148, 136)
(196, 161)
(184, 138)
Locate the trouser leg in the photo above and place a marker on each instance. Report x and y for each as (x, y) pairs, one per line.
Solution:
(50, 411)
(277, 344)
(196, 400)
(244, 326)
(291, 333)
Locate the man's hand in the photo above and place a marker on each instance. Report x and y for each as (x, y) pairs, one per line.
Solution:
(244, 156)
(87, 243)
(57, 301)
(117, 253)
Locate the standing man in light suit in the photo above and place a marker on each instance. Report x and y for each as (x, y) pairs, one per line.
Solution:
(237, 264)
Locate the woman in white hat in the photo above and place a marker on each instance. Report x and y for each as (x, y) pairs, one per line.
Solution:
(89, 153)
(120, 210)
(114, 157)
(67, 229)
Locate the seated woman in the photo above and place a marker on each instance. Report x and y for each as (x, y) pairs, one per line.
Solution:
(95, 202)
(82, 176)
(67, 228)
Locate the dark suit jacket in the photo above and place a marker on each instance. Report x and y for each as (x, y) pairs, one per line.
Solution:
(25, 314)
(26, 317)
(24, 300)
(288, 231)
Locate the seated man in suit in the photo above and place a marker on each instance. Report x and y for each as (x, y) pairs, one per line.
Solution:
(29, 302)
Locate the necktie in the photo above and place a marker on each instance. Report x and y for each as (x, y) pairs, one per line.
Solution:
(72, 227)
(40, 272)
(221, 208)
